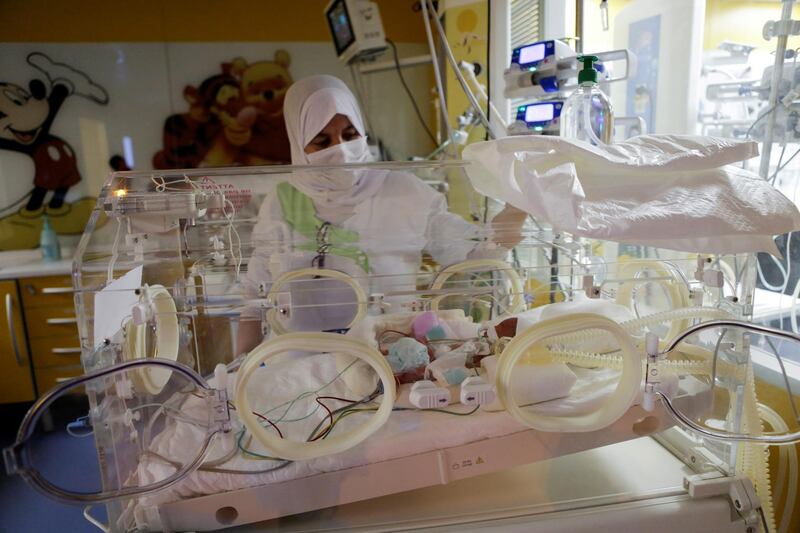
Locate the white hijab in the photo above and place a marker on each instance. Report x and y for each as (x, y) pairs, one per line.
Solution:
(309, 105)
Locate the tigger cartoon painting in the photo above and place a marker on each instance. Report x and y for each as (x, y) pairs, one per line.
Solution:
(234, 118)
(188, 136)
(26, 119)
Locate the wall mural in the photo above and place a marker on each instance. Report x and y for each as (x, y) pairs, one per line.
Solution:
(234, 118)
(73, 112)
(26, 118)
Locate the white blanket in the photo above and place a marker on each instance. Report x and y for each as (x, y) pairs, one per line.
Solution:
(406, 433)
(670, 191)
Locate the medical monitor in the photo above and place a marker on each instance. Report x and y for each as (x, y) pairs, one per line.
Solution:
(356, 29)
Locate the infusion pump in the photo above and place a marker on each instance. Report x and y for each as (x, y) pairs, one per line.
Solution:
(542, 74)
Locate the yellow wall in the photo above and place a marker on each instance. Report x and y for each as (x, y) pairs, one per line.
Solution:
(732, 20)
(742, 21)
(186, 20)
(467, 29)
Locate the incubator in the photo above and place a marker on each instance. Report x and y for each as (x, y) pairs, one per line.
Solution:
(404, 346)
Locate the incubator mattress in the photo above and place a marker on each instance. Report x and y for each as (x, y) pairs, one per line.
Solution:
(407, 433)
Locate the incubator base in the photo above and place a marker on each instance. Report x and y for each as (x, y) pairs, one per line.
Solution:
(384, 478)
(631, 486)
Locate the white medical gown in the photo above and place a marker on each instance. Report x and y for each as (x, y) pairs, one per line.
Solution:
(404, 218)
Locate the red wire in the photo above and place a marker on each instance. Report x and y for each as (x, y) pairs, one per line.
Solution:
(330, 420)
(262, 417)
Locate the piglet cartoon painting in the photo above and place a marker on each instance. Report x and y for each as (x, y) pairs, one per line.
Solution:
(27, 115)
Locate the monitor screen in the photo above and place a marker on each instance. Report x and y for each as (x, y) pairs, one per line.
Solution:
(539, 113)
(531, 54)
(341, 27)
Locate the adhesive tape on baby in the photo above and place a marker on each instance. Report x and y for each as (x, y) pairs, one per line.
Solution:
(517, 297)
(614, 406)
(272, 314)
(318, 343)
(676, 290)
(147, 379)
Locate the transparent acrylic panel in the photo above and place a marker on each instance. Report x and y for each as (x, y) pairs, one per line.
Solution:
(111, 431)
(715, 364)
(574, 373)
(306, 399)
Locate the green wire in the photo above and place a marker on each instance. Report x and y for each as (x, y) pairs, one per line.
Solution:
(342, 414)
(291, 403)
(252, 453)
(347, 412)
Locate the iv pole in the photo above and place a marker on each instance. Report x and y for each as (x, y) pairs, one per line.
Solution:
(782, 29)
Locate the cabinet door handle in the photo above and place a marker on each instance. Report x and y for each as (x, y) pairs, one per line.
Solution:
(11, 331)
(57, 290)
(62, 380)
(58, 321)
(65, 351)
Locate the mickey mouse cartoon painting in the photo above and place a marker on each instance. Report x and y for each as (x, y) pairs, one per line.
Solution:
(26, 118)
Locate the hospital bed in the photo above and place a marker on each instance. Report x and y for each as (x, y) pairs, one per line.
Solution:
(554, 346)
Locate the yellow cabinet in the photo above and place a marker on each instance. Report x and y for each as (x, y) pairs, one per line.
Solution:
(16, 384)
(52, 329)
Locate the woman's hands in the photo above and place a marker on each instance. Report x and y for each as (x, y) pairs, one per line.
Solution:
(507, 226)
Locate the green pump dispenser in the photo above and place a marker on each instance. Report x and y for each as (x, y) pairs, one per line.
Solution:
(588, 74)
(587, 115)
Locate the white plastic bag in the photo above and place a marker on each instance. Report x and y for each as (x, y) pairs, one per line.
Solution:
(670, 191)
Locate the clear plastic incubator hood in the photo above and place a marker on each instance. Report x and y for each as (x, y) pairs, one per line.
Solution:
(249, 338)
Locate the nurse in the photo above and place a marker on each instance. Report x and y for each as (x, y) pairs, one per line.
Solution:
(372, 221)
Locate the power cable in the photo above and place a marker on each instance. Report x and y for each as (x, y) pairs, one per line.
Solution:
(16, 202)
(408, 92)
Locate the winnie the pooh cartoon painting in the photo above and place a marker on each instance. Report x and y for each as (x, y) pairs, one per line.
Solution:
(240, 115)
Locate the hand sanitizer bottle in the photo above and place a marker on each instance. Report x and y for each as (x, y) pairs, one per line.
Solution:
(48, 242)
(587, 113)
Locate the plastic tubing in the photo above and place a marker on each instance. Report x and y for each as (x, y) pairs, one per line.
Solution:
(320, 343)
(676, 291)
(438, 77)
(272, 314)
(587, 359)
(448, 52)
(153, 379)
(755, 462)
(613, 407)
(788, 467)
(656, 318)
(517, 303)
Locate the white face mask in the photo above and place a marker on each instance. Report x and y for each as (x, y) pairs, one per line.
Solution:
(355, 151)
